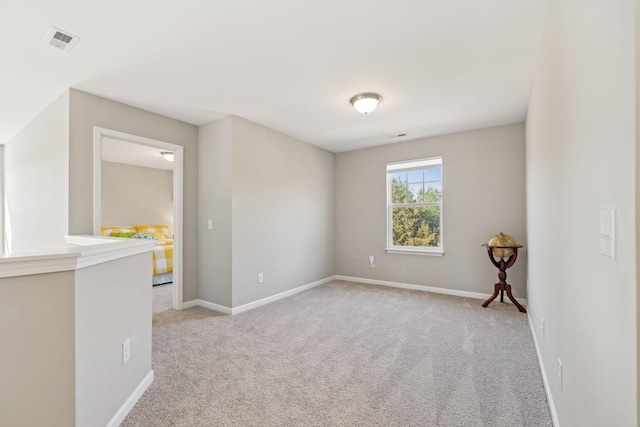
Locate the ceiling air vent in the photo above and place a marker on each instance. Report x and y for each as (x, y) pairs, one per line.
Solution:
(60, 39)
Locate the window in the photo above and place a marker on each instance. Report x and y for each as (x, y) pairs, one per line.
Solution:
(414, 206)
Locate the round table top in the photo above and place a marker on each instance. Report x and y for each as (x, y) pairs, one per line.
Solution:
(502, 247)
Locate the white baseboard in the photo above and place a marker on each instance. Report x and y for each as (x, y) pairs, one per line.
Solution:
(545, 379)
(214, 307)
(206, 304)
(281, 295)
(131, 401)
(254, 304)
(189, 304)
(466, 294)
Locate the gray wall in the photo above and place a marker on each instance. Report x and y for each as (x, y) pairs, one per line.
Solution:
(103, 383)
(283, 212)
(214, 203)
(36, 176)
(38, 341)
(87, 111)
(581, 159)
(483, 194)
(272, 200)
(62, 345)
(136, 195)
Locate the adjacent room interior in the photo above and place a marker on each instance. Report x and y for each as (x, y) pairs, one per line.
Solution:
(137, 200)
(305, 258)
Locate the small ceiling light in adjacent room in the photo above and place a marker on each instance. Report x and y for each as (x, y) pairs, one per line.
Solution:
(366, 102)
(168, 155)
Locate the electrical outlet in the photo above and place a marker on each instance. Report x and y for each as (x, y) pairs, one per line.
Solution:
(126, 351)
(260, 278)
(542, 326)
(372, 261)
(608, 233)
(560, 373)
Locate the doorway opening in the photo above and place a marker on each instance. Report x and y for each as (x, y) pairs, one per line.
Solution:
(141, 145)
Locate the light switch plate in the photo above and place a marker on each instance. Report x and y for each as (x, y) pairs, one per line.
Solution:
(608, 233)
(126, 351)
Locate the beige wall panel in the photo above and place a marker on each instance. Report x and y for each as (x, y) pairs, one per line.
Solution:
(135, 195)
(581, 160)
(87, 111)
(214, 203)
(38, 350)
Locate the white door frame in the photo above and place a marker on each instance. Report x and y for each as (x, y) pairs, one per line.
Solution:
(178, 179)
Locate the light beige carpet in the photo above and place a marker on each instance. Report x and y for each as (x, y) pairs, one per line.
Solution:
(162, 297)
(346, 354)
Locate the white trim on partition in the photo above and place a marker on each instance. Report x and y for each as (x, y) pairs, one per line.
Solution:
(85, 252)
(454, 292)
(27, 265)
(120, 415)
(545, 379)
(98, 250)
(258, 303)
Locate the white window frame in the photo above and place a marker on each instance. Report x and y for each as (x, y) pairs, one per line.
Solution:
(407, 165)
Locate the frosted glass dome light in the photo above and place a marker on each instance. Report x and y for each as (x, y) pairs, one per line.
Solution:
(366, 102)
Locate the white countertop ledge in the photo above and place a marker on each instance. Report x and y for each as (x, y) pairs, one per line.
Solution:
(79, 252)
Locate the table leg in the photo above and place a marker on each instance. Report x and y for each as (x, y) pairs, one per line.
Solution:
(513, 300)
(496, 289)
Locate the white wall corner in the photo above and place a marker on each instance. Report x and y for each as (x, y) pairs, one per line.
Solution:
(545, 379)
(126, 407)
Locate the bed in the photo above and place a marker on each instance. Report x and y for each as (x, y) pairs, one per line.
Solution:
(162, 252)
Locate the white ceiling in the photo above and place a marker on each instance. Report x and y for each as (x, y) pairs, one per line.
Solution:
(441, 66)
(117, 151)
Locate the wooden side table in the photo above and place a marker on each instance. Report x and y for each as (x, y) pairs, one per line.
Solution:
(502, 285)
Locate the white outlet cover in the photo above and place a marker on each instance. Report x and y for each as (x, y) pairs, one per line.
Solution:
(560, 373)
(608, 233)
(126, 351)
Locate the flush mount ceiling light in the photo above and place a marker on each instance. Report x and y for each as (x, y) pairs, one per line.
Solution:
(366, 102)
(168, 155)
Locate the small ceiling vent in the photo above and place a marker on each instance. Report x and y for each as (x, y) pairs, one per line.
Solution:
(400, 135)
(61, 40)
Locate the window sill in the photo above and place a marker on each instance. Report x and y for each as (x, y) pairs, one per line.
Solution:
(432, 252)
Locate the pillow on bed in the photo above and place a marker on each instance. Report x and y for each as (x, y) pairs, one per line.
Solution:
(160, 231)
(106, 231)
(127, 234)
(143, 235)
